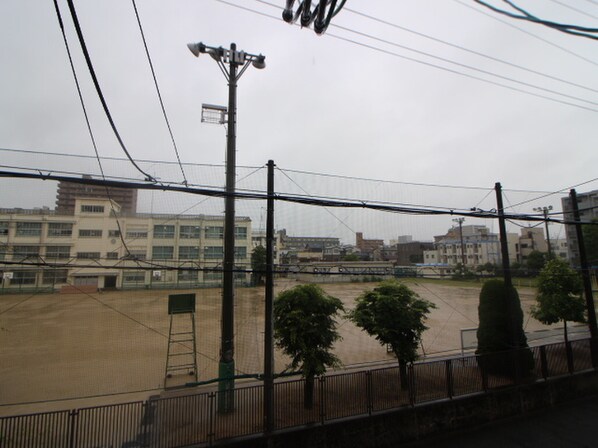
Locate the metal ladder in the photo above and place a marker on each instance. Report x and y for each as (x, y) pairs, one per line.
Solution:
(179, 356)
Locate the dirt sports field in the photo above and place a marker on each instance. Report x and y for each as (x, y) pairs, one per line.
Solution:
(63, 351)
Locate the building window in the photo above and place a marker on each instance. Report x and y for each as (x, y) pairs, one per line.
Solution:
(136, 255)
(214, 232)
(24, 278)
(240, 252)
(212, 275)
(112, 255)
(162, 231)
(88, 255)
(3, 228)
(241, 233)
(90, 233)
(137, 233)
(188, 252)
(58, 252)
(213, 252)
(133, 277)
(54, 276)
(29, 228)
(113, 233)
(25, 251)
(188, 275)
(162, 252)
(86, 208)
(189, 232)
(60, 229)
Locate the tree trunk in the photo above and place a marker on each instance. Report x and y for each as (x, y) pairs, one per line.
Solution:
(565, 328)
(308, 392)
(403, 375)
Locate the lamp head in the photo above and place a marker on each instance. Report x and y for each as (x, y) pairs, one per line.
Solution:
(196, 48)
(259, 62)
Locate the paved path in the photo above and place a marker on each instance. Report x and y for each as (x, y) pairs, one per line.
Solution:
(572, 425)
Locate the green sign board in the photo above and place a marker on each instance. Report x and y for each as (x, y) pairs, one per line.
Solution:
(181, 303)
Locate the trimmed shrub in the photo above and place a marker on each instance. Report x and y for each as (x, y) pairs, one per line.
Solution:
(501, 330)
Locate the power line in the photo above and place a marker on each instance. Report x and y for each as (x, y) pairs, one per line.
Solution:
(575, 30)
(477, 53)
(298, 199)
(99, 90)
(561, 191)
(459, 64)
(149, 59)
(429, 64)
(93, 141)
(85, 156)
(574, 9)
(546, 41)
(461, 73)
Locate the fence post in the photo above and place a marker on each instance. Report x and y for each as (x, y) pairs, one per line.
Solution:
(322, 381)
(569, 351)
(73, 417)
(449, 378)
(483, 371)
(543, 362)
(411, 384)
(211, 419)
(369, 391)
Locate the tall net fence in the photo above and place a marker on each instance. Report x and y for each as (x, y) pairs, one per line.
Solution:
(85, 290)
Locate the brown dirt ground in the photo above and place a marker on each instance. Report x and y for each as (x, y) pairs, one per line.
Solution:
(64, 351)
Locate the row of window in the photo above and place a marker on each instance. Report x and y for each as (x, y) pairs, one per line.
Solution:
(59, 229)
(158, 253)
(59, 276)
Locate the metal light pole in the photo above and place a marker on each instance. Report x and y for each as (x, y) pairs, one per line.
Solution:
(237, 62)
(544, 211)
(460, 222)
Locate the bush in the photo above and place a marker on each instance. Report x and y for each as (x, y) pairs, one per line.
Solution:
(497, 332)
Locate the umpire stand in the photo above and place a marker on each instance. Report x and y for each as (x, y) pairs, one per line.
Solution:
(181, 355)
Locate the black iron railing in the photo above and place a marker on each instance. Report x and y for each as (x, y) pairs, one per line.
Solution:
(194, 418)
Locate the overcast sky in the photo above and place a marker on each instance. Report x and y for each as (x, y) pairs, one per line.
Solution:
(323, 104)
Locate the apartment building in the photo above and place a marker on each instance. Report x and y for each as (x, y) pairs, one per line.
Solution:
(96, 247)
(531, 239)
(68, 192)
(587, 204)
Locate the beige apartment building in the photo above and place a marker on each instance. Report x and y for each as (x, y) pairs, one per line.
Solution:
(91, 248)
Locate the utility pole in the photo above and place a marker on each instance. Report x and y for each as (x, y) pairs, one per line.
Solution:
(460, 222)
(585, 275)
(544, 211)
(235, 60)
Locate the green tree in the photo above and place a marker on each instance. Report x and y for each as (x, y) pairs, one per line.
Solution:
(559, 295)
(536, 261)
(351, 257)
(590, 239)
(394, 315)
(500, 328)
(258, 264)
(305, 329)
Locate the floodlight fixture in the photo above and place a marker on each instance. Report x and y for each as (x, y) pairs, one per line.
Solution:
(211, 113)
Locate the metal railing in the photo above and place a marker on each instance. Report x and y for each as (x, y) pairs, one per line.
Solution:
(194, 419)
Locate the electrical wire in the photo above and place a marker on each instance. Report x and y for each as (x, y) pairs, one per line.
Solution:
(305, 191)
(546, 41)
(429, 64)
(561, 191)
(298, 199)
(575, 30)
(93, 141)
(99, 90)
(149, 59)
(477, 53)
(574, 9)
(120, 159)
